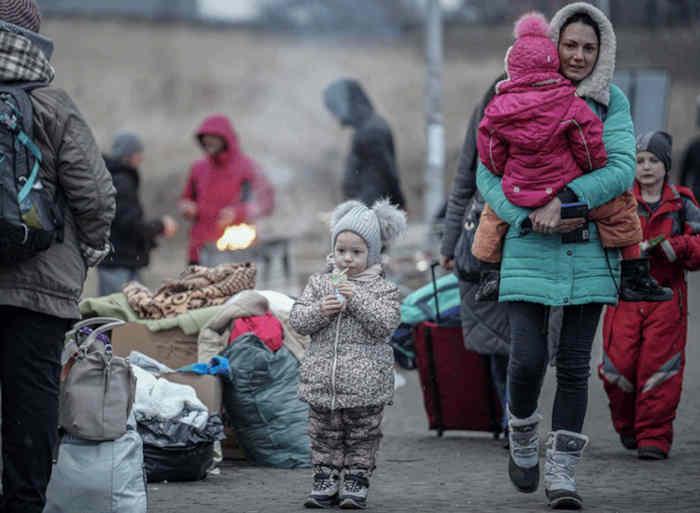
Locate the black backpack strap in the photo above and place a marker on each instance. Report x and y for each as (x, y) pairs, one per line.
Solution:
(24, 134)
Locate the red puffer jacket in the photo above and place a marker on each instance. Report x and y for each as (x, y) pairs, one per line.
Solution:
(678, 219)
(539, 136)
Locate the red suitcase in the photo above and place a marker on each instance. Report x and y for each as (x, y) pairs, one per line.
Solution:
(458, 392)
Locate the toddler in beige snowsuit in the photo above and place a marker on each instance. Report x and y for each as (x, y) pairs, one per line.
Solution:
(347, 373)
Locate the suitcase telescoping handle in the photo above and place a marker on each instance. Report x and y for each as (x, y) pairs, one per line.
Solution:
(435, 292)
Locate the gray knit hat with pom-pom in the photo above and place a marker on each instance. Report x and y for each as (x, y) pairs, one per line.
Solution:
(377, 225)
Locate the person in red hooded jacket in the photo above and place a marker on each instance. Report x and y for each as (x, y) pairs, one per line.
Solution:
(224, 188)
(644, 343)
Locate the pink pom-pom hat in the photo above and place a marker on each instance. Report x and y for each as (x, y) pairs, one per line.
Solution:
(531, 24)
(533, 50)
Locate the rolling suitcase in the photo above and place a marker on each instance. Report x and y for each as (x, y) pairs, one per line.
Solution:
(458, 392)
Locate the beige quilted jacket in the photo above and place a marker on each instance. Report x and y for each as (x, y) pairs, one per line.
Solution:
(349, 362)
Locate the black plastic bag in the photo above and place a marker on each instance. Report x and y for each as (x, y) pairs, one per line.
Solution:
(179, 463)
(173, 434)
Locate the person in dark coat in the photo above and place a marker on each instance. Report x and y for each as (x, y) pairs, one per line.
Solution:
(690, 167)
(371, 172)
(132, 236)
(484, 325)
(39, 295)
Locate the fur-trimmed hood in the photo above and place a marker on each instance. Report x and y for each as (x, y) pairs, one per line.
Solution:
(596, 85)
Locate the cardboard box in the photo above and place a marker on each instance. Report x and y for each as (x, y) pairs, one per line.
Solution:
(174, 349)
(170, 347)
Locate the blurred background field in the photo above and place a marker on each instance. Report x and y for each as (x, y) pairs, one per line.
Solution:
(158, 72)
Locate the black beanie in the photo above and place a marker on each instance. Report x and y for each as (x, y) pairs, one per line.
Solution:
(660, 144)
(23, 13)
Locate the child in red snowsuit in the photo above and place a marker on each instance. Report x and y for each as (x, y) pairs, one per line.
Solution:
(540, 136)
(644, 343)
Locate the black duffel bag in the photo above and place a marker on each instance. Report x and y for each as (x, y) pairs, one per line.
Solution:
(177, 463)
(467, 267)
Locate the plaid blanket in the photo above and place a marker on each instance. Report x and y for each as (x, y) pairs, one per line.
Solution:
(21, 61)
(196, 287)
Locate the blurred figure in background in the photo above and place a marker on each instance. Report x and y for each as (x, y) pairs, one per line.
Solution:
(371, 172)
(224, 188)
(690, 168)
(133, 237)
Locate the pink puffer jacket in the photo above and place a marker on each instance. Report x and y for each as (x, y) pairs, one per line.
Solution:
(539, 136)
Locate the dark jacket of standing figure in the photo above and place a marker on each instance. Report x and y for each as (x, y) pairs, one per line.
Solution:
(39, 296)
(690, 167)
(484, 324)
(132, 236)
(370, 171)
(52, 281)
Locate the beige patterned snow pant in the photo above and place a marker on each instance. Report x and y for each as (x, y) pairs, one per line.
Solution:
(347, 438)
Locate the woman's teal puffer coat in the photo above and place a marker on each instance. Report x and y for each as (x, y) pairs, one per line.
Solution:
(540, 269)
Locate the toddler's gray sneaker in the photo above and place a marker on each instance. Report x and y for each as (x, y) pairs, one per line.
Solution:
(355, 489)
(325, 488)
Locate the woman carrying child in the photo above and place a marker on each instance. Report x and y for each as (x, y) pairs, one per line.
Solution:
(539, 135)
(540, 269)
(346, 375)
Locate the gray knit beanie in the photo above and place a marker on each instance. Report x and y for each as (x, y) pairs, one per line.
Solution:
(23, 13)
(659, 143)
(126, 144)
(377, 225)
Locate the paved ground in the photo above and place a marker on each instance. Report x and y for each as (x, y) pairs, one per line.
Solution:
(462, 472)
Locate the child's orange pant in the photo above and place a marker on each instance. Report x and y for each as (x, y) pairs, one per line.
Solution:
(617, 221)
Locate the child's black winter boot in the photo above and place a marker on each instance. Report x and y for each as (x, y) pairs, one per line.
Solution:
(639, 285)
(488, 286)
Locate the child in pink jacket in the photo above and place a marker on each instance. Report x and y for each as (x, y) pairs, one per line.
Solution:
(540, 136)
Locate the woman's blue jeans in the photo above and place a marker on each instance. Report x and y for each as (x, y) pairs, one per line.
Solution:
(529, 358)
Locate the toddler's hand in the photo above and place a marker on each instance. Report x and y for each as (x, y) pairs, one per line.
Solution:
(346, 288)
(331, 306)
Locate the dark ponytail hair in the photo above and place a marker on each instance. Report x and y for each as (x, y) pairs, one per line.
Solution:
(581, 17)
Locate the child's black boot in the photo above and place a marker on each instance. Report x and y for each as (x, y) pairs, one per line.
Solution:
(488, 286)
(639, 285)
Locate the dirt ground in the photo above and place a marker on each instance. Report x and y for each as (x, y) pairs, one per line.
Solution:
(467, 472)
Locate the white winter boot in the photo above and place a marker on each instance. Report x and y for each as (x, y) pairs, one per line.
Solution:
(564, 450)
(523, 464)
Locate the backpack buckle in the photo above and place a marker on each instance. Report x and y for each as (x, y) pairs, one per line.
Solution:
(26, 233)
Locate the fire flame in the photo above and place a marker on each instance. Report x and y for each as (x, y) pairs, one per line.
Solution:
(239, 236)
